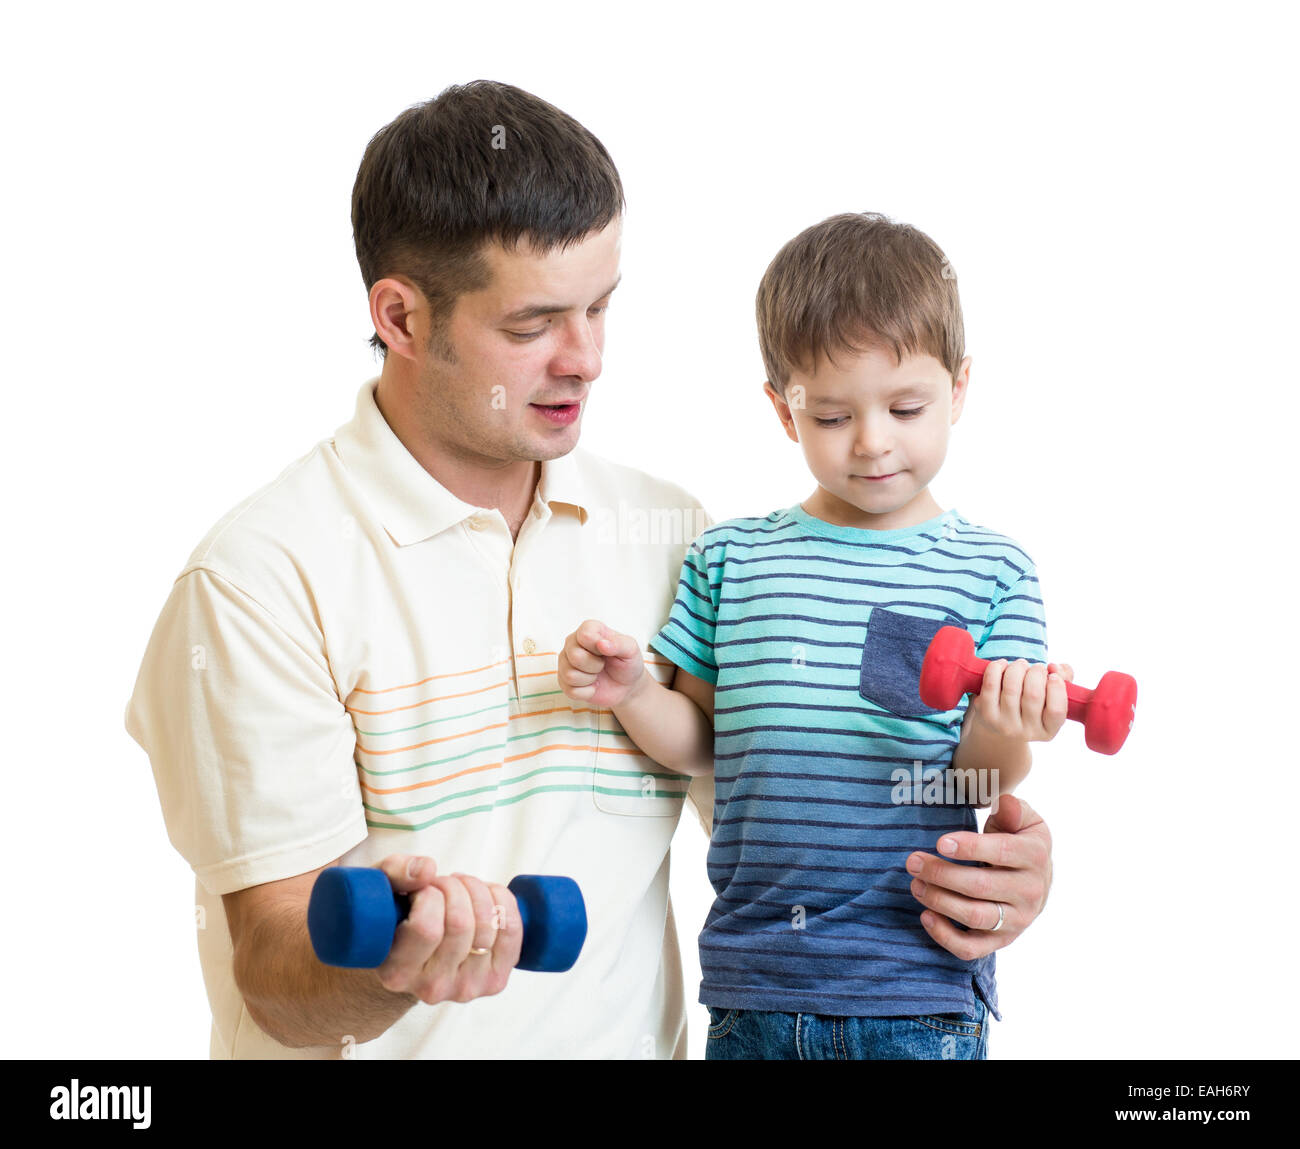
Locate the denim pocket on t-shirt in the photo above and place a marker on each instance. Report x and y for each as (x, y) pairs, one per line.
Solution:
(891, 660)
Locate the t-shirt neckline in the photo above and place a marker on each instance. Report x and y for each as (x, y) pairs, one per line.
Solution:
(935, 526)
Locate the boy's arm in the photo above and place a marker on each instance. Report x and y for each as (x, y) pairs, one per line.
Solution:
(603, 668)
(1017, 704)
(672, 726)
(994, 758)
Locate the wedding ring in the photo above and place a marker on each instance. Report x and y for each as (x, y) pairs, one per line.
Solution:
(1002, 916)
(479, 951)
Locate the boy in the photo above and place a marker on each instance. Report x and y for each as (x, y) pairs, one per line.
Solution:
(798, 639)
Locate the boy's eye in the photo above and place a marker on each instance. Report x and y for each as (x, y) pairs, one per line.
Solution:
(902, 413)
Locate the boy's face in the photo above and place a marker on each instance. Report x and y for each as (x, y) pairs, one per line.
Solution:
(874, 433)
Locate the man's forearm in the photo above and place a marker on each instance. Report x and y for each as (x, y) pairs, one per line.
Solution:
(668, 727)
(297, 999)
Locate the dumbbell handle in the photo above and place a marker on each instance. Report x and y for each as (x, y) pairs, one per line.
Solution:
(354, 913)
(951, 668)
(972, 680)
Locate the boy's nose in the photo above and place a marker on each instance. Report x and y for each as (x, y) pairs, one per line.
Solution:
(873, 440)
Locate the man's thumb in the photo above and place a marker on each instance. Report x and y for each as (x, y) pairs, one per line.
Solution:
(1008, 818)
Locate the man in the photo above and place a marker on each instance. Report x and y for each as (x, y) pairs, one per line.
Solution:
(358, 663)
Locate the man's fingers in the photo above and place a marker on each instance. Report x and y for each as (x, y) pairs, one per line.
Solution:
(982, 883)
(510, 932)
(415, 941)
(439, 979)
(408, 872)
(475, 975)
(1007, 819)
(960, 943)
(976, 913)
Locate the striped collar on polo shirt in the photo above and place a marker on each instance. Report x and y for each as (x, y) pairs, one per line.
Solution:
(411, 503)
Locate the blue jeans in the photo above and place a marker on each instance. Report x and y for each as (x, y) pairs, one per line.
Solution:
(757, 1035)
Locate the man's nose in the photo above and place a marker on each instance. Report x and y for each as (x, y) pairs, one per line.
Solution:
(579, 352)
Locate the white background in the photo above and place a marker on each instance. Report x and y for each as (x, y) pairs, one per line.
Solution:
(1113, 185)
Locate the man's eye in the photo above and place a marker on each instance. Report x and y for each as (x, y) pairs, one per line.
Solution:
(524, 336)
(598, 310)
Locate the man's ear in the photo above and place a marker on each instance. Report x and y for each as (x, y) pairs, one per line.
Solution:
(959, 384)
(782, 411)
(400, 315)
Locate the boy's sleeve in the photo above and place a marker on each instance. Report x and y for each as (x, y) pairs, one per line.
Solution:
(1016, 627)
(686, 639)
(252, 750)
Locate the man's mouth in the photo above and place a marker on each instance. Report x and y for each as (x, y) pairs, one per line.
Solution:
(561, 414)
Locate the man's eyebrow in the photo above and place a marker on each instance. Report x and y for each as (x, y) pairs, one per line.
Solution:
(539, 309)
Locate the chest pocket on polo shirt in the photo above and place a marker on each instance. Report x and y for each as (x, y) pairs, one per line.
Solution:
(625, 781)
(891, 660)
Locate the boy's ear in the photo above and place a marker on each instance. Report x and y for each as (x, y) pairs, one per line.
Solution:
(782, 411)
(959, 384)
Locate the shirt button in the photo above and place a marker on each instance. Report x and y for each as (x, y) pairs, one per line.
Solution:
(530, 647)
(477, 523)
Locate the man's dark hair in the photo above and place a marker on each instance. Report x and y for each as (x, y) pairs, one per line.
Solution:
(480, 162)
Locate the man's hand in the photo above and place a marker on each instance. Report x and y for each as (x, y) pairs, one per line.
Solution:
(449, 916)
(1017, 847)
(599, 666)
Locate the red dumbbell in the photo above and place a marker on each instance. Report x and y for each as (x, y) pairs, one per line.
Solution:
(951, 669)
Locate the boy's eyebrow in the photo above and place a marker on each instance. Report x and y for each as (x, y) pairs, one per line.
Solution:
(905, 389)
(536, 311)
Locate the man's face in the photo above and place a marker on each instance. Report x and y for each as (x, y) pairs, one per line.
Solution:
(874, 433)
(532, 338)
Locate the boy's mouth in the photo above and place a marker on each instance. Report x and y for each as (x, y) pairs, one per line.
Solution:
(877, 478)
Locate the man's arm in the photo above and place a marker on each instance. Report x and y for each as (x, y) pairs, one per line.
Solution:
(1016, 847)
(299, 1001)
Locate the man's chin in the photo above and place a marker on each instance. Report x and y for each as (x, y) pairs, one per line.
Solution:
(554, 446)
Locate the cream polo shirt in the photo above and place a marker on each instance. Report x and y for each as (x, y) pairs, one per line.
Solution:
(355, 663)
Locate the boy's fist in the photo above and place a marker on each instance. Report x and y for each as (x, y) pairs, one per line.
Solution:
(1018, 700)
(599, 666)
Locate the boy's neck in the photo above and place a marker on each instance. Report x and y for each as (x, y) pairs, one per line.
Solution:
(821, 504)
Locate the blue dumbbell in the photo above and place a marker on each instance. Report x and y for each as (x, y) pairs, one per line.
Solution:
(354, 913)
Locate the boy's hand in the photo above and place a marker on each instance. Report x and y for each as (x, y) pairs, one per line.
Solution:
(1021, 701)
(599, 666)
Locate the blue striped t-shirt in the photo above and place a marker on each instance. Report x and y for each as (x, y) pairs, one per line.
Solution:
(828, 767)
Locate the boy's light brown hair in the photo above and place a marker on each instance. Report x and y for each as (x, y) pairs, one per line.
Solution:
(853, 282)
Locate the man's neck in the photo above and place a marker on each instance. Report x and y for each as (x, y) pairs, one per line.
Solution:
(508, 487)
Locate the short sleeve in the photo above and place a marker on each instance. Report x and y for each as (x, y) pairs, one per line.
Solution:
(686, 639)
(1016, 626)
(252, 750)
